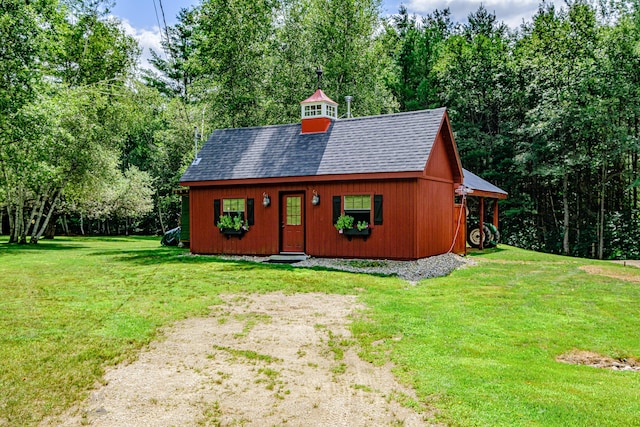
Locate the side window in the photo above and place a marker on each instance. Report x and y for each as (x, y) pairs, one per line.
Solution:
(233, 207)
(359, 207)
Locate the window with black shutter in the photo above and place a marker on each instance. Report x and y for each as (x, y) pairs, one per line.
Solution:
(337, 208)
(359, 207)
(233, 208)
(250, 212)
(216, 212)
(377, 209)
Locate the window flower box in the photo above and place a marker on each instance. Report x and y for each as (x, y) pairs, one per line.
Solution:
(232, 226)
(229, 232)
(354, 232)
(345, 226)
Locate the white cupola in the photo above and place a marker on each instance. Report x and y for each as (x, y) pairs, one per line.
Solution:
(318, 110)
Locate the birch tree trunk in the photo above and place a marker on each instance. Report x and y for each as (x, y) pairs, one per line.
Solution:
(65, 226)
(42, 201)
(17, 219)
(19, 236)
(12, 226)
(160, 214)
(48, 218)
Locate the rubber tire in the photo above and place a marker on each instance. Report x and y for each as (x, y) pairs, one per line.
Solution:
(473, 236)
(495, 235)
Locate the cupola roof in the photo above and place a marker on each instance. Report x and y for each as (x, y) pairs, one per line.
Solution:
(319, 96)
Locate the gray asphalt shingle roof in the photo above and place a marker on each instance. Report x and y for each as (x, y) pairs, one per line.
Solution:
(388, 143)
(474, 182)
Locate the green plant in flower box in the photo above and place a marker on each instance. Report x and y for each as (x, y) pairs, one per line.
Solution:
(362, 225)
(234, 223)
(344, 222)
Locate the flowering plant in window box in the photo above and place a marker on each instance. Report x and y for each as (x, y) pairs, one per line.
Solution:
(232, 226)
(344, 222)
(345, 225)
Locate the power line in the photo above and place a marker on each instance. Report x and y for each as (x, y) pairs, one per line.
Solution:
(158, 20)
(166, 29)
(168, 51)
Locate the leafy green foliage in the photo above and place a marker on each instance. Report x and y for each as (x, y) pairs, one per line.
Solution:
(175, 75)
(344, 222)
(549, 111)
(230, 44)
(342, 41)
(362, 225)
(93, 49)
(232, 222)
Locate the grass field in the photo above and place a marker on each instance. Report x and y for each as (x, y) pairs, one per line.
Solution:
(479, 346)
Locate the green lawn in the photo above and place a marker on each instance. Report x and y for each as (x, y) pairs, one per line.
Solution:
(479, 346)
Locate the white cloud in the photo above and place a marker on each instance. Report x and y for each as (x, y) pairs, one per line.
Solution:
(147, 39)
(510, 12)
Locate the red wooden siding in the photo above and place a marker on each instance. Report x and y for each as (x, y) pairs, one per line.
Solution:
(392, 239)
(435, 207)
(395, 238)
(436, 201)
(460, 223)
(439, 165)
(445, 136)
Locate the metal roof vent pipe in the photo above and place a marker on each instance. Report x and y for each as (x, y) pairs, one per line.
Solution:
(196, 159)
(348, 99)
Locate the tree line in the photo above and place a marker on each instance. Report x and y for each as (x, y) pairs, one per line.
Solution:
(548, 111)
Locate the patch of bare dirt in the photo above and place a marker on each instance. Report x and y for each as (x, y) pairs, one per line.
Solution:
(257, 360)
(589, 358)
(621, 275)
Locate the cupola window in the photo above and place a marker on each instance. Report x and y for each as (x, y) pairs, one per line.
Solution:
(312, 110)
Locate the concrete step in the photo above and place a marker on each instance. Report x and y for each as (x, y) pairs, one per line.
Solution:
(287, 258)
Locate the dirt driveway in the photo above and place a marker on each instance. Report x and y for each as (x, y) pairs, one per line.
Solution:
(257, 360)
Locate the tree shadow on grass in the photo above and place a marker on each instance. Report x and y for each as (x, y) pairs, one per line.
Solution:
(178, 256)
(64, 243)
(480, 252)
(15, 249)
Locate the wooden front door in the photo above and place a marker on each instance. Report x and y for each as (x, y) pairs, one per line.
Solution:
(292, 222)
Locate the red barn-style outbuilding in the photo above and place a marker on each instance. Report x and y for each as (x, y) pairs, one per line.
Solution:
(289, 184)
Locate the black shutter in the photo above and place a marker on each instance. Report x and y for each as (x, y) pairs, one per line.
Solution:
(250, 209)
(216, 212)
(336, 208)
(185, 220)
(377, 209)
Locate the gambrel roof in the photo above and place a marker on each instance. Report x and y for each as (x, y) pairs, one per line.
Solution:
(367, 145)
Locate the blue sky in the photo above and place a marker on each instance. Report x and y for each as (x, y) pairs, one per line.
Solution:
(141, 13)
(139, 16)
